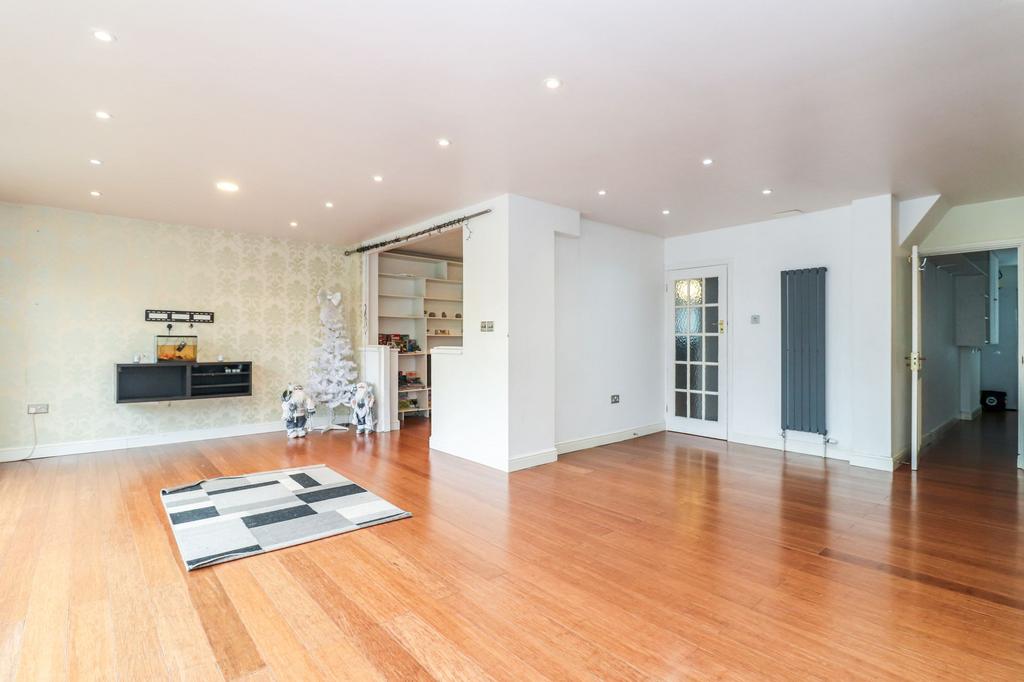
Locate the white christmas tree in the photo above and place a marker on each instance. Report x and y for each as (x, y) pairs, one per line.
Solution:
(332, 373)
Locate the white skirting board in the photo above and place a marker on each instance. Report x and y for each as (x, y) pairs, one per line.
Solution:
(126, 442)
(607, 438)
(807, 444)
(532, 459)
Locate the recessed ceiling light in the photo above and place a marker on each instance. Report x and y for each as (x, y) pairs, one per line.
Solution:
(329, 204)
(708, 162)
(766, 191)
(227, 186)
(103, 116)
(94, 193)
(104, 36)
(378, 178)
(443, 142)
(552, 83)
(96, 162)
(293, 224)
(665, 212)
(601, 192)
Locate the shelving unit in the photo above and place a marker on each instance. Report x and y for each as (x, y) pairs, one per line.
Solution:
(165, 381)
(409, 289)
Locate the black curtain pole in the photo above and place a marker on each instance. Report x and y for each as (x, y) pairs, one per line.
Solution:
(398, 240)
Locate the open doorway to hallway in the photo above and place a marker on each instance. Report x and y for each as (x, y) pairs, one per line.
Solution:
(970, 344)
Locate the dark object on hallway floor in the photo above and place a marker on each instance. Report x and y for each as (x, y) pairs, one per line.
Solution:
(993, 401)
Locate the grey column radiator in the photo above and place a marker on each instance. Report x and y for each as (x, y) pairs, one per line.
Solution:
(803, 350)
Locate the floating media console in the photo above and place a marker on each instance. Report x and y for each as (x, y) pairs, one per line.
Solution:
(161, 381)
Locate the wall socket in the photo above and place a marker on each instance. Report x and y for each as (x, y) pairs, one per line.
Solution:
(39, 408)
(615, 398)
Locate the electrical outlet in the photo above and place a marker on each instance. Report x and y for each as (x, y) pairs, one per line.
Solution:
(755, 319)
(39, 408)
(615, 398)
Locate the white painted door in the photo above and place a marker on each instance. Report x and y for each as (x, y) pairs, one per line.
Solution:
(696, 300)
(1020, 352)
(915, 359)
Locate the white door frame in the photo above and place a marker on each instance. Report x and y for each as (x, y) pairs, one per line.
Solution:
(916, 413)
(994, 246)
(721, 270)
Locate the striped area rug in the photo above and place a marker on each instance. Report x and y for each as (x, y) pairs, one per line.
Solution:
(231, 517)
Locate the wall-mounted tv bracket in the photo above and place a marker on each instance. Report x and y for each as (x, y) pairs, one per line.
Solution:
(172, 316)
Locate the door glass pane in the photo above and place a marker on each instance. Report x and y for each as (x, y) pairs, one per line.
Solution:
(696, 315)
(696, 342)
(711, 290)
(696, 292)
(710, 408)
(695, 406)
(682, 320)
(695, 377)
(711, 349)
(680, 349)
(682, 291)
(711, 319)
(711, 378)
(680, 403)
(681, 376)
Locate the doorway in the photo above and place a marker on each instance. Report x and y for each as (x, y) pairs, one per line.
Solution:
(696, 300)
(969, 343)
(418, 309)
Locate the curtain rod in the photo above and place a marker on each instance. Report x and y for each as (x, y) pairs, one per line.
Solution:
(398, 240)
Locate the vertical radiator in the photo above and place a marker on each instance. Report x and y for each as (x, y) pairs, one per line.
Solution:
(803, 351)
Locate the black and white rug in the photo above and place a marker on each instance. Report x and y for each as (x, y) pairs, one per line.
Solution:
(231, 517)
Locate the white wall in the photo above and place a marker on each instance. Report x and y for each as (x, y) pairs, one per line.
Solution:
(941, 375)
(532, 229)
(982, 223)
(855, 244)
(970, 382)
(999, 361)
(469, 391)
(609, 296)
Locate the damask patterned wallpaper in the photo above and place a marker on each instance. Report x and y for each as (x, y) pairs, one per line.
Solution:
(73, 290)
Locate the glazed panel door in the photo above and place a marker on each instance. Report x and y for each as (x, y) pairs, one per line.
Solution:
(697, 358)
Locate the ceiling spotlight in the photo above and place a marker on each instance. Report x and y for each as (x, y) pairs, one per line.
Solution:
(708, 162)
(665, 212)
(378, 178)
(227, 186)
(104, 36)
(443, 142)
(96, 162)
(94, 193)
(329, 204)
(552, 83)
(293, 224)
(103, 116)
(601, 192)
(766, 191)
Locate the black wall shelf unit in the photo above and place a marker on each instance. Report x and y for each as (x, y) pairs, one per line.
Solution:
(158, 382)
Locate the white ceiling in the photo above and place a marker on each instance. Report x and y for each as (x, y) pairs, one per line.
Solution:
(302, 102)
(447, 244)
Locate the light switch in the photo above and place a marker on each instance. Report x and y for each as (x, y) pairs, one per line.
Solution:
(755, 319)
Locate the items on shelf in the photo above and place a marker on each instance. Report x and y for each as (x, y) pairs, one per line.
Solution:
(403, 342)
(409, 379)
(177, 348)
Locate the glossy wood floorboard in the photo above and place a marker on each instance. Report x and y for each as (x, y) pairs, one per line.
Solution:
(665, 557)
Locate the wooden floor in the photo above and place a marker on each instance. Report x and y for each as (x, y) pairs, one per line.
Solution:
(666, 557)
